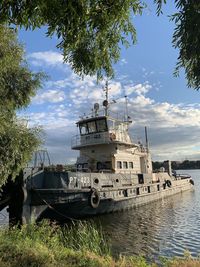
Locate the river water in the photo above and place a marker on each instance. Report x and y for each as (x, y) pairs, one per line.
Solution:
(166, 227)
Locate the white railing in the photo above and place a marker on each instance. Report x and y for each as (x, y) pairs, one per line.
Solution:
(90, 139)
(99, 138)
(112, 114)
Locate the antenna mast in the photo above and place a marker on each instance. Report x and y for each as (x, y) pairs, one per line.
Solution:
(146, 139)
(105, 102)
(106, 89)
(126, 102)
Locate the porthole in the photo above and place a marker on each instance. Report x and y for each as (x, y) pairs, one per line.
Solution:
(96, 180)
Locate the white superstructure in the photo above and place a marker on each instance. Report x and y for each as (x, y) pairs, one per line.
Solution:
(105, 145)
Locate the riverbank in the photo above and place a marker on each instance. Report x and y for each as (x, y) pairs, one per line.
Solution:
(78, 245)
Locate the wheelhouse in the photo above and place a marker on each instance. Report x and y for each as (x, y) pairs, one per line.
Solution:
(93, 125)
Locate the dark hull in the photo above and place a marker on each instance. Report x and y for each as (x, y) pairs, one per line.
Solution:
(81, 208)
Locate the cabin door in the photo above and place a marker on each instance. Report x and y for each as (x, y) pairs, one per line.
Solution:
(143, 166)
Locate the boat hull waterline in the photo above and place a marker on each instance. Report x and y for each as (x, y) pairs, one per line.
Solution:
(63, 204)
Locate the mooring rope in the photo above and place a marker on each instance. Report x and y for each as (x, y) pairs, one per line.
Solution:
(58, 212)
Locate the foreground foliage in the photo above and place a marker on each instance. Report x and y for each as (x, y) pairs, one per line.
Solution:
(77, 245)
(17, 85)
(186, 38)
(90, 32)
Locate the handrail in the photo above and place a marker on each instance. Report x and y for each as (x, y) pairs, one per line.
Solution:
(99, 138)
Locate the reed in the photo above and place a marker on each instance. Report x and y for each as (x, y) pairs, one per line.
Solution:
(78, 245)
(45, 245)
(84, 236)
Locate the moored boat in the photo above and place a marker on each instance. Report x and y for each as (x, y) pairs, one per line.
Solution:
(112, 173)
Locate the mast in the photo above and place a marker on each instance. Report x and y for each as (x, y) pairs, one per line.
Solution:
(126, 103)
(105, 102)
(146, 139)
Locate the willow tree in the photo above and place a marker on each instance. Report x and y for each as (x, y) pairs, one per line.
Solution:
(186, 38)
(17, 85)
(90, 31)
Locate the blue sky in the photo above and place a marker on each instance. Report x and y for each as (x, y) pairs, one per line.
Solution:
(144, 73)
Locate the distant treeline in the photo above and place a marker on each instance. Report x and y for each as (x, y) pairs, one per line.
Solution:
(178, 165)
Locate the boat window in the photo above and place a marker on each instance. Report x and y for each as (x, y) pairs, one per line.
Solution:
(164, 185)
(79, 167)
(99, 165)
(125, 165)
(104, 165)
(130, 165)
(82, 167)
(119, 165)
(137, 191)
(107, 165)
(85, 166)
(91, 127)
(83, 128)
(101, 125)
(140, 178)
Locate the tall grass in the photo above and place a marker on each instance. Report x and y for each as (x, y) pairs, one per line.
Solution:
(79, 236)
(78, 245)
(45, 245)
(84, 236)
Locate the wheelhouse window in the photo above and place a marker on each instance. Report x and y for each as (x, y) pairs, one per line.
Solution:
(83, 128)
(119, 165)
(91, 127)
(94, 126)
(101, 125)
(125, 165)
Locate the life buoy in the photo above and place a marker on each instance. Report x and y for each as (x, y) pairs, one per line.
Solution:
(94, 198)
(168, 183)
(112, 136)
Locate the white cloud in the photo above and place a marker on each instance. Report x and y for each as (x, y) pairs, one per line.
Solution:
(115, 89)
(123, 61)
(49, 58)
(142, 101)
(51, 96)
(173, 128)
(139, 89)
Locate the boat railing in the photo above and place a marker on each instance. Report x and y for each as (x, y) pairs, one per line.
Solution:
(99, 138)
(182, 176)
(90, 139)
(111, 114)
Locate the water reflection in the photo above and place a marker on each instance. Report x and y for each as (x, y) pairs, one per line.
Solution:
(168, 227)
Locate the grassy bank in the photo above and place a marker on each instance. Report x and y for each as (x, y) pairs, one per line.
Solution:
(78, 245)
